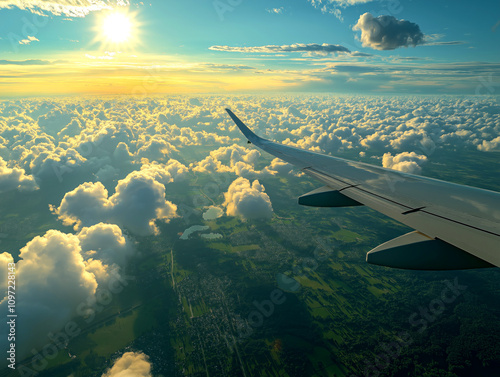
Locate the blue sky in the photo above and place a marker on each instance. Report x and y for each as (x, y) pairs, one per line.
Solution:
(452, 46)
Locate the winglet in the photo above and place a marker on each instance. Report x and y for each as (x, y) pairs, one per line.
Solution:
(253, 138)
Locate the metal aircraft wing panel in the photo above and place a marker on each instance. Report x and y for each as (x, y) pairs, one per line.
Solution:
(463, 216)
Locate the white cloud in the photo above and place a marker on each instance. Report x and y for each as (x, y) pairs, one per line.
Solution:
(138, 201)
(324, 48)
(405, 162)
(155, 149)
(332, 6)
(130, 364)
(490, 145)
(275, 10)
(278, 166)
(235, 159)
(15, 179)
(28, 40)
(71, 8)
(52, 280)
(165, 173)
(106, 243)
(247, 200)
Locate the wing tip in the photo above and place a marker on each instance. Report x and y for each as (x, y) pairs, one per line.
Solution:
(249, 134)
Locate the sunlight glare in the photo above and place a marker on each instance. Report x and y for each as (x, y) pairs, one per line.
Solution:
(117, 27)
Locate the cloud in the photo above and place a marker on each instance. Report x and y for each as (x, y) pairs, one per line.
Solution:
(275, 10)
(52, 280)
(130, 364)
(106, 243)
(332, 6)
(15, 179)
(387, 32)
(324, 4)
(165, 173)
(28, 40)
(280, 167)
(156, 148)
(25, 62)
(70, 8)
(56, 273)
(248, 201)
(138, 201)
(445, 43)
(405, 162)
(236, 159)
(490, 145)
(324, 48)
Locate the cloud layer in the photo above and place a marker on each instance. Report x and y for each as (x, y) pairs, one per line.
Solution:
(324, 48)
(112, 166)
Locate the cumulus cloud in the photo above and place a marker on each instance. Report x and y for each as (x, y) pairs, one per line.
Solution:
(130, 364)
(490, 145)
(138, 201)
(247, 200)
(52, 280)
(156, 148)
(407, 162)
(324, 48)
(165, 173)
(106, 243)
(387, 32)
(235, 159)
(71, 8)
(278, 166)
(15, 179)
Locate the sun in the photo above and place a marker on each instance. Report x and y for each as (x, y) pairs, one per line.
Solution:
(117, 27)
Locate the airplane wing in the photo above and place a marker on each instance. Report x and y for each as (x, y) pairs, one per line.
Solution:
(456, 226)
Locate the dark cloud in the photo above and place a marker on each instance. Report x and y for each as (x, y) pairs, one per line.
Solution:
(445, 43)
(355, 68)
(387, 32)
(360, 54)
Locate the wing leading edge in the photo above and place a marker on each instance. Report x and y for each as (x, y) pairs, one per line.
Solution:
(458, 226)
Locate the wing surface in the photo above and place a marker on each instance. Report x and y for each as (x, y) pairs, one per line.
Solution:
(443, 213)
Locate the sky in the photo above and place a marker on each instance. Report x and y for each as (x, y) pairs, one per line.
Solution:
(92, 47)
